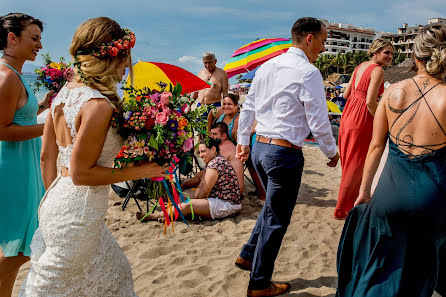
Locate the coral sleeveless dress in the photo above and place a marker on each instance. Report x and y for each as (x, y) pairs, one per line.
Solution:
(355, 134)
(22, 186)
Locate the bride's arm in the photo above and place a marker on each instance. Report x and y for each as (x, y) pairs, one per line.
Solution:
(94, 121)
(48, 156)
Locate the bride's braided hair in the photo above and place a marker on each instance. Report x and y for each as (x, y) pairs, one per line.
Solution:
(100, 73)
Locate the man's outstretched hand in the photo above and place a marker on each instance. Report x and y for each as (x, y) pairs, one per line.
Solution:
(333, 161)
(242, 152)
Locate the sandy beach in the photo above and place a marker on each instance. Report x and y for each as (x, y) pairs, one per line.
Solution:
(198, 261)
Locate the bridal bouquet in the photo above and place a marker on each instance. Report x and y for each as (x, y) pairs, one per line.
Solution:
(158, 126)
(53, 75)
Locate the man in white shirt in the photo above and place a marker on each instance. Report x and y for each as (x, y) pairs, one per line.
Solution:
(288, 101)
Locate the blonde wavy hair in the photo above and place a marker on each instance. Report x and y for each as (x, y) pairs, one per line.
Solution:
(99, 73)
(430, 48)
(378, 45)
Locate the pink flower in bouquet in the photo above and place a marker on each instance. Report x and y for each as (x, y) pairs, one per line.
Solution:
(162, 118)
(188, 145)
(181, 134)
(147, 111)
(53, 73)
(165, 98)
(68, 73)
(185, 108)
(155, 97)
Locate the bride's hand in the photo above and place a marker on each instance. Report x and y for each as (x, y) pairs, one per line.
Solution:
(362, 198)
(154, 170)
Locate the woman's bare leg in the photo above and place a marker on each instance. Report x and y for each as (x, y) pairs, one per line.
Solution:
(199, 206)
(9, 267)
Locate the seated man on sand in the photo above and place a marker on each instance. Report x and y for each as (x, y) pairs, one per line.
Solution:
(217, 193)
(227, 149)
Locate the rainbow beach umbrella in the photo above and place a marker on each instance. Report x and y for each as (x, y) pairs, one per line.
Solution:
(148, 74)
(249, 56)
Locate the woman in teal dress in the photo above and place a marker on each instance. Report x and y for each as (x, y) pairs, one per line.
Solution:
(229, 114)
(21, 182)
(393, 243)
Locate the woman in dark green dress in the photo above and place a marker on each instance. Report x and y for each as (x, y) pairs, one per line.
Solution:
(392, 242)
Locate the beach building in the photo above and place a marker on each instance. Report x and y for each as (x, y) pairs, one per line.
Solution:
(343, 38)
(404, 38)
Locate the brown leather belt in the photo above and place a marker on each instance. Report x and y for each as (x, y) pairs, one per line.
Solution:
(280, 142)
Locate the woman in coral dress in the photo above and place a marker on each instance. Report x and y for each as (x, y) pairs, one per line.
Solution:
(356, 128)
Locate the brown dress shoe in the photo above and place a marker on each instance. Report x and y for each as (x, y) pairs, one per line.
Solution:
(243, 264)
(273, 290)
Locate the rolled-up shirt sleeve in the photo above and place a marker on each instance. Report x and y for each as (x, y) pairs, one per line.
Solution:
(313, 97)
(247, 116)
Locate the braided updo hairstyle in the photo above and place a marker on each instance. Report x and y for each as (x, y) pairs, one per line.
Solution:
(15, 22)
(430, 48)
(99, 73)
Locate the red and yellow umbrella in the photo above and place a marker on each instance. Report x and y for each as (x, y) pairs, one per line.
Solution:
(253, 54)
(148, 74)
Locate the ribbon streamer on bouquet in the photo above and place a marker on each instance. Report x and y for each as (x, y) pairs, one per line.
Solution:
(166, 216)
(173, 202)
(178, 187)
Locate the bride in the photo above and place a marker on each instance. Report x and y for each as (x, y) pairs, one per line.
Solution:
(72, 252)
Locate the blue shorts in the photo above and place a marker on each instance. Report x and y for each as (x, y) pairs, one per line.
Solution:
(209, 107)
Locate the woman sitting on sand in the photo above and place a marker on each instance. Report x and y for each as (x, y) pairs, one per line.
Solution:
(218, 193)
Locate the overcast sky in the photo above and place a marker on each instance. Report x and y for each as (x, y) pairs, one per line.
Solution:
(178, 32)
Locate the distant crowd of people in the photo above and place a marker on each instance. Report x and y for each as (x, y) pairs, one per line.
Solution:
(394, 239)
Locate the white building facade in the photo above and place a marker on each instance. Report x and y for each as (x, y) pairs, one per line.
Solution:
(404, 38)
(344, 38)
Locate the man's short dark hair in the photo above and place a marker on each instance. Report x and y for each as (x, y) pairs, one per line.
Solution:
(304, 26)
(222, 127)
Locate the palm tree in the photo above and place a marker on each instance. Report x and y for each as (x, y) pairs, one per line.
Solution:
(345, 61)
(359, 57)
(337, 61)
(323, 63)
(400, 57)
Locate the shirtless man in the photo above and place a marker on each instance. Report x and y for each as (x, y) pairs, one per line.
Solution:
(216, 77)
(227, 150)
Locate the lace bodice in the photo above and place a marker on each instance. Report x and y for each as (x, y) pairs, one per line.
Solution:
(72, 252)
(72, 100)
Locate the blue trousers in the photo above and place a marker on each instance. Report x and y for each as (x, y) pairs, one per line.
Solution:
(280, 170)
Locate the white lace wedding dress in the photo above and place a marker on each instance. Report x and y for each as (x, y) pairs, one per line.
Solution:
(72, 252)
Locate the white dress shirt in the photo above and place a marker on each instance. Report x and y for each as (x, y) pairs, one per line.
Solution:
(288, 101)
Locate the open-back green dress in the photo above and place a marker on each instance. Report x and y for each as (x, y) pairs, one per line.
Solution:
(391, 246)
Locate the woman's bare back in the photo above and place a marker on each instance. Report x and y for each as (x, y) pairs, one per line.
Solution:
(416, 113)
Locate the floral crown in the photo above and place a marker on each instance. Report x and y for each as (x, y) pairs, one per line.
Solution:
(113, 48)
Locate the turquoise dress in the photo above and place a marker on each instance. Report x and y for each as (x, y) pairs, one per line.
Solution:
(395, 244)
(22, 186)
